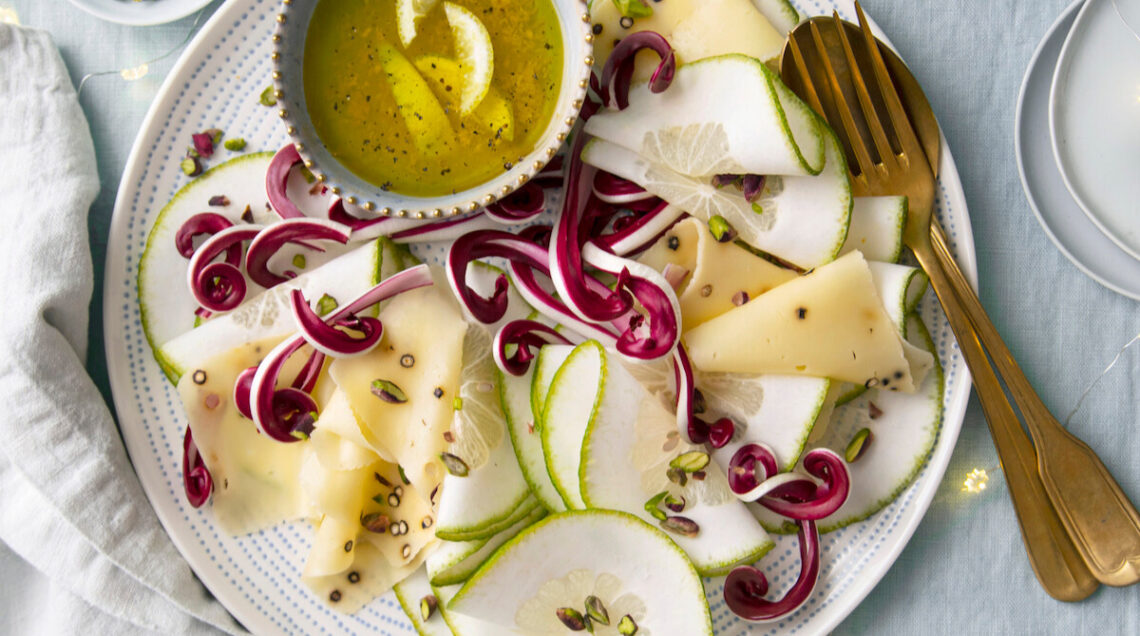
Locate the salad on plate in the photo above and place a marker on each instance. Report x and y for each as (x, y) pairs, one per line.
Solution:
(594, 411)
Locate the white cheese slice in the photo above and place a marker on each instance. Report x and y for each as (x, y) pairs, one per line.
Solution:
(421, 353)
(338, 439)
(829, 323)
(366, 577)
(255, 478)
(717, 271)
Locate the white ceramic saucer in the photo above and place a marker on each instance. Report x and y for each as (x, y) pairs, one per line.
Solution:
(1094, 116)
(1060, 215)
(142, 13)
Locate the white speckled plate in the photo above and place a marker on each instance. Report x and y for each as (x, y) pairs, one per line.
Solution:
(141, 12)
(216, 84)
(1064, 222)
(1094, 119)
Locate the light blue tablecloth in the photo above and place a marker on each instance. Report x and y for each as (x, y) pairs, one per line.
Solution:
(965, 570)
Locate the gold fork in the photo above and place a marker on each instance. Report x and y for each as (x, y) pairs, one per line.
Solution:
(1104, 527)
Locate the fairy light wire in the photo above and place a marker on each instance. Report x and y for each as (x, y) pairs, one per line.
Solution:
(1092, 385)
(975, 480)
(140, 70)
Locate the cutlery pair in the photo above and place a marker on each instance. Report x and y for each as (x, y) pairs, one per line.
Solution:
(1078, 526)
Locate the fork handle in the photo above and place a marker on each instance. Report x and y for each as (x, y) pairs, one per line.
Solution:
(1102, 522)
(1055, 560)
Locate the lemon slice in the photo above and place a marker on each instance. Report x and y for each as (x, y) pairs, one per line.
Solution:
(431, 131)
(479, 424)
(408, 13)
(474, 53)
(445, 76)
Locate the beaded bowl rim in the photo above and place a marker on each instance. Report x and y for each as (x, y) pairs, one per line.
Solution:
(577, 50)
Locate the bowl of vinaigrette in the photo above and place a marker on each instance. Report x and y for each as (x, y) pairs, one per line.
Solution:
(429, 108)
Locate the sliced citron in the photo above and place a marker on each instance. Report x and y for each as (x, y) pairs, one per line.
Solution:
(631, 567)
(445, 76)
(422, 112)
(475, 55)
(408, 13)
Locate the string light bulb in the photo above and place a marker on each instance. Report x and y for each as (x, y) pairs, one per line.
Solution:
(135, 72)
(975, 481)
(9, 16)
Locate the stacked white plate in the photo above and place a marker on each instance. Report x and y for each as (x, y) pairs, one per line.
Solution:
(1078, 139)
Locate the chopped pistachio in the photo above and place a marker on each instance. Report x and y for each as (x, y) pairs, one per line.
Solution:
(454, 464)
(388, 391)
(691, 461)
(652, 508)
(858, 445)
(268, 97)
(571, 618)
(457, 404)
(757, 208)
(428, 605)
(721, 229)
(326, 305)
(308, 174)
(299, 261)
(375, 522)
(301, 435)
(674, 504)
(873, 410)
(219, 201)
(596, 610)
(626, 626)
(403, 477)
(191, 167)
(633, 8)
(247, 214)
(677, 476)
(681, 525)
(237, 144)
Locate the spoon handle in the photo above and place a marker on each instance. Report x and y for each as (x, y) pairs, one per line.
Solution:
(1055, 560)
(1103, 523)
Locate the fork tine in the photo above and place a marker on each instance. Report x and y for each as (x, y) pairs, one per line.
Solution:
(908, 140)
(858, 145)
(870, 113)
(805, 76)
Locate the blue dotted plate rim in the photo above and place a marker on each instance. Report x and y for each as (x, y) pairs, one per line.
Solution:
(238, 571)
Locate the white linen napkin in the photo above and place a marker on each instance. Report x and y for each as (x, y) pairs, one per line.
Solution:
(70, 504)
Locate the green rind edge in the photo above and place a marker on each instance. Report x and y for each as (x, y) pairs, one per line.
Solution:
(807, 430)
(578, 350)
(169, 369)
(790, 528)
(624, 516)
(921, 461)
(531, 481)
(489, 530)
(751, 557)
(461, 574)
(396, 589)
